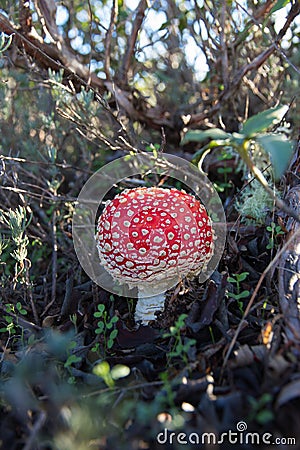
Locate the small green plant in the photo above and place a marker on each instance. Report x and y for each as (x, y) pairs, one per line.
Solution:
(254, 137)
(72, 358)
(105, 328)
(181, 346)
(225, 155)
(11, 319)
(260, 409)
(73, 319)
(17, 242)
(240, 294)
(110, 375)
(275, 231)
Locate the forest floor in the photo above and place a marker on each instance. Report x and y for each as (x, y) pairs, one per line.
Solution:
(213, 371)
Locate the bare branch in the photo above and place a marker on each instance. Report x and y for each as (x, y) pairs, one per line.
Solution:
(108, 37)
(140, 14)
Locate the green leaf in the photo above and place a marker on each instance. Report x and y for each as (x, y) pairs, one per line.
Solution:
(102, 369)
(242, 276)
(263, 120)
(101, 307)
(72, 359)
(243, 294)
(113, 334)
(280, 150)
(200, 136)
(100, 327)
(278, 5)
(231, 280)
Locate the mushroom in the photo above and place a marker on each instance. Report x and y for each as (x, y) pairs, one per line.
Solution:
(150, 238)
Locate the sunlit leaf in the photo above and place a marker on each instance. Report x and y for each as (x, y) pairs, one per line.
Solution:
(278, 5)
(280, 150)
(102, 369)
(202, 135)
(263, 120)
(119, 371)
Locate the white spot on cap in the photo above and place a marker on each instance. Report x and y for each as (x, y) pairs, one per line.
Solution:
(181, 210)
(175, 247)
(157, 239)
(142, 251)
(174, 215)
(130, 213)
(117, 214)
(194, 230)
(186, 236)
(123, 200)
(136, 220)
(135, 234)
(188, 219)
(107, 225)
(126, 223)
(149, 218)
(162, 253)
(171, 236)
(130, 246)
(163, 214)
(107, 247)
(129, 264)
(145, 232)
(115, 235)
(119, 258)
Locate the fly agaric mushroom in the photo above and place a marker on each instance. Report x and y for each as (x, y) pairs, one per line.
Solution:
(150, 238)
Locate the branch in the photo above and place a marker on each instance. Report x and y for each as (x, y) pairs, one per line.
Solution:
(48, 56)
(25, 17)
(113, 20)
(253, 65)
(140, 14)
(47, 13)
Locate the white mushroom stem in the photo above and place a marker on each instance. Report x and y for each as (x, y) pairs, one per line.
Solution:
(147, 306)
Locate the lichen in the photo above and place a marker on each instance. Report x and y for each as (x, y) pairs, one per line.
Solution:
(254, 203)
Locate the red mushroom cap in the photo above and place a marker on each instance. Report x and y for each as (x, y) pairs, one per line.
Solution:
(149, 236)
